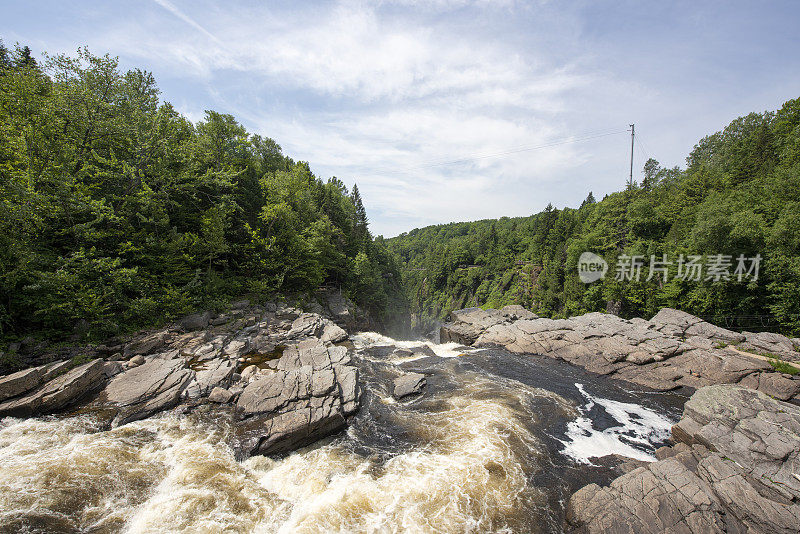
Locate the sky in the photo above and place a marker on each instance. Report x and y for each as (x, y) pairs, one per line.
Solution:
(449, 110)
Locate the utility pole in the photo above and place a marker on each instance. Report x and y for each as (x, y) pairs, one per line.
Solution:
(630, 180)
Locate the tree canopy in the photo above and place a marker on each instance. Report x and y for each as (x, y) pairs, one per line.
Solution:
(739, 195)
(116, 212)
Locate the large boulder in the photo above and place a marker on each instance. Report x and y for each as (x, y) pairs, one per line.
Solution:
(771, 343)
(195, 321)
(59, 392)
(733, 470)
(216, 373)
(150, 388)
(20, 382)
(408, 384)
(312, 325)
(307, 397)
(679, 322)
(146, 344)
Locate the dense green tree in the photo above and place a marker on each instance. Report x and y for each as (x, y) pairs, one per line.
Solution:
(116, 212)
(739, 195)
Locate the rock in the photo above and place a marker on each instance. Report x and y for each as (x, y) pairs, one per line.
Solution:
(732, 470)
(306, 398)
(313, 353)
(466, 325)
(52, 370)
(196, 321)
(112, 369)
(221, 395)
(778, 386)
(142, 391)
(20, 382)
(674, 349)
(769, 342)
(332, 333)
(459, 333)
(59, 392)
(686, 324)
(664, 497)
(219, 320)
(338, 306)
(136, 361)
(211, 375)
(408, 384)
(516, 311)
(249, 372)
(240, 305)
(312, 325)
(147, 344)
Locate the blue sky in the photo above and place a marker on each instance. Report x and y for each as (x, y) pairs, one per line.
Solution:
(390, 94)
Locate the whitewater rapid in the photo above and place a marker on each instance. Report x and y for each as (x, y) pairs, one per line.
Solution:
(494, 445)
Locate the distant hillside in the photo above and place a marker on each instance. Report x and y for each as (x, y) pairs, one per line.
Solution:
(739, 195)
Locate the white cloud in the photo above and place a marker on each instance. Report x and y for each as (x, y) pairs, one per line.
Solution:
(377, 92)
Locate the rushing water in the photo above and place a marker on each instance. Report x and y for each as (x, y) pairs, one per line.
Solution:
(497, 443)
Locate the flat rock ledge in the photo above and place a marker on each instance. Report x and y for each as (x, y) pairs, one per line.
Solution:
(276, 371)
(735, 468)
(671, 350)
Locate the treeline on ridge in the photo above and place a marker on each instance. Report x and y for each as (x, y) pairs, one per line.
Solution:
(117, 213)
(738, 195)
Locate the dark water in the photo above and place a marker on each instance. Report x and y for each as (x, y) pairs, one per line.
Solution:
(497, 443)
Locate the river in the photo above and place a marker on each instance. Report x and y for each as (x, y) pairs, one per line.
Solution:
(497, 443)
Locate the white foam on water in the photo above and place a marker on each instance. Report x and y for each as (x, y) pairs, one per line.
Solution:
(451, 349)
(173, 473)
(637, 426)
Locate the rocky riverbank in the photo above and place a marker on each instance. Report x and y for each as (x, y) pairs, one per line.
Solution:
(671, 350)
(277, 373)
(271, 379)
(735, 468)
(735, 465)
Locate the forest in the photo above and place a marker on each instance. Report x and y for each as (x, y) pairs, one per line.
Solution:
(117, 213)
(739, 195)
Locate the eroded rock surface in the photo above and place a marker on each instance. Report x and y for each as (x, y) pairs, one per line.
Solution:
(734, 469)
(306, 397)
(672, 349)
(57, 393)
(152, 387)
(273, 368)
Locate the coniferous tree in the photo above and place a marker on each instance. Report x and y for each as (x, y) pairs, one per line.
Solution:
(361, 213)
(24, 58)
(5, 59)
(119, 213)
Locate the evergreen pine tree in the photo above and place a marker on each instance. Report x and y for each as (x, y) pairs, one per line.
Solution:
(5, 60)
(361, 213)
(25, 58)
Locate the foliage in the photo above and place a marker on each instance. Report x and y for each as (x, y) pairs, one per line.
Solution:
(740, 194)
(117, 213)
(783, 367)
